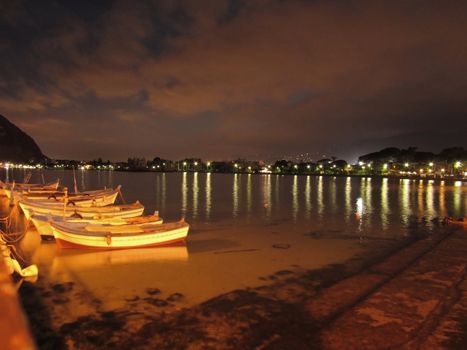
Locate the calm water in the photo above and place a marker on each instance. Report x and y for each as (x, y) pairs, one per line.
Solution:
(236, 219)
(376, 206)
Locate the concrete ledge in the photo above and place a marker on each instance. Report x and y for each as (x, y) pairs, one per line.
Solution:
(14, 332)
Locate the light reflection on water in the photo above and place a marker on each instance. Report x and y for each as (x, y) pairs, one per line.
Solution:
(184, 194)
(319, 197)
(295, 205)
(387, 204)
(208, 195)
(249, 199)
(348, 200)
(308, 197)
(195, 195)
(384, 203)
(235, 190)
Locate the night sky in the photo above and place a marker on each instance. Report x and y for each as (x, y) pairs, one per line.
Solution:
(224, 79)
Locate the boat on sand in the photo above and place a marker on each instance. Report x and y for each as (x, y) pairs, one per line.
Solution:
(83, 235)
(43, 227)
(7, 187)
(122, 211)
(97, 198)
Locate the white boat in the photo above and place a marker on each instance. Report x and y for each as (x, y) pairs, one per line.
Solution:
(123, 211)
(98, 198)
(7, 187)
(57, 195)
(82, 235)
(42, 222)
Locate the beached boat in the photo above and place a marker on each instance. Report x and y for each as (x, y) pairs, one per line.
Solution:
(6, 187)
(58, 194)
(97, 198)
(25, 186)
(123, 211)
(82, 235)
(42, 222)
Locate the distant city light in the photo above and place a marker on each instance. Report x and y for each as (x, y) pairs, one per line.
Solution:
(431, 164)
(406, 165)
(457, 164)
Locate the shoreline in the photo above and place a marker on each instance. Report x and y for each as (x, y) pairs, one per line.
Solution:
(437, 180)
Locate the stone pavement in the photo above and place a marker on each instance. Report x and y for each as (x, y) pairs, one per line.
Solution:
(415, 299)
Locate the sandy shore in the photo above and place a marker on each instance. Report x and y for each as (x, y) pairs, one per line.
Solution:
(294, 308)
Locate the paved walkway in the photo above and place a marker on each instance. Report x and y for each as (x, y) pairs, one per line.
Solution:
(415, 299)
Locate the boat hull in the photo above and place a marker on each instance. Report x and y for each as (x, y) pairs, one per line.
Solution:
(43, 227)
(85, 212)
(68, 239)
(8, 188)
(65, 244)
(99, 199)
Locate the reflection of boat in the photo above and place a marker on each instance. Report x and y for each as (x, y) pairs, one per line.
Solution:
(42, 222)
(122, 211)
(462, 221)
(79, 260)
(97, 198)
(82, 235)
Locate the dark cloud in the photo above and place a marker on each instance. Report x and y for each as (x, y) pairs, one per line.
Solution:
(230, 78)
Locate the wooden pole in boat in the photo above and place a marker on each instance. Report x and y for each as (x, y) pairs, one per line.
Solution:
(65, 201)
(74, 180)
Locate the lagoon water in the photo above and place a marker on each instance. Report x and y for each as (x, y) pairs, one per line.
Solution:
(243, 228)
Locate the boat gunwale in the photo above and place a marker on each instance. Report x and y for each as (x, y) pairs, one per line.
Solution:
(162, 228)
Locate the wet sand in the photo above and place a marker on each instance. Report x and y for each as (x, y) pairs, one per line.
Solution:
(68, 314)
(296, 308)
(214, 261)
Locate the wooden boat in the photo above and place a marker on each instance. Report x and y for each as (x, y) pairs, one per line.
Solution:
(42, 222)
(51, 186)
(82, 235)
(97, 198)
(58, 194)
(113, 211)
